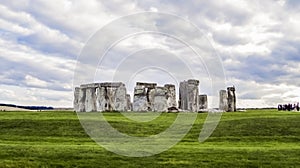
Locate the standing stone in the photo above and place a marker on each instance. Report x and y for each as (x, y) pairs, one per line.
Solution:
(183, 100)
(110, 94)
(188, 95)
(160, 99)
(143, 96)
(90, 100)
(150, 97)
(120, 99)
(171, 95)
(129, 104)
(81, 99)
(202, 102)
(100, 97)
(140, 102)
(114, 95)
(231, 99)
(223, 104)
(101, 102)
(76, 99)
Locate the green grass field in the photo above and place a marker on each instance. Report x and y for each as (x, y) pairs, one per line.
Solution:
(256, 138)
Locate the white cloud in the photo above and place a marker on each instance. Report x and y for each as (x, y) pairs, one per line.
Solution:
(35, 82)
(35, 96)
(258, 42)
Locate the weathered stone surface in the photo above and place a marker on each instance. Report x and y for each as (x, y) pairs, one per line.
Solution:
(81, 99)
(228, 100)
(140, 103)
(129, 104)
(202, 102)
(90, 85)
(110, 96)
(90, 99)
(147, 97)
(143, 96)
(171, 95)
(140, 90)
(76, 99)
(160, 99)
(231, 99)
(146, 85)
(120, 99)
(100, 97)
(150, 97)
(188, 95)
(112, 84)
(223, 104)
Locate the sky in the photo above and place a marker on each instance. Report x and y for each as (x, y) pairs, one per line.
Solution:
(258, 43)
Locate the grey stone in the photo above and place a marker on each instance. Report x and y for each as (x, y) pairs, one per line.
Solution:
(143, 96)
(120, 99)
(231, 99)
(101, 102)
(223, 103)
(228, 100)
(188, 95)
(140, 103)
(202, 102)
(90, 103)
(171, 95)
(112, 96)
(160, 99)
(81, 99)
(92, 85)
(140, 90)
(76, 99)
(112, 84)
(150, 97)
(129, 104)
(146, 85)
(100, 97)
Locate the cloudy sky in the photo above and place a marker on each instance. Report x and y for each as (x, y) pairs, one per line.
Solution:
(258, 43)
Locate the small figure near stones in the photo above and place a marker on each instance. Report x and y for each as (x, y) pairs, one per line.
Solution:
(280, 107)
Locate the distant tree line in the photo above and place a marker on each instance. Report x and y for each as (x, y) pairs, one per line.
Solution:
(28, 107)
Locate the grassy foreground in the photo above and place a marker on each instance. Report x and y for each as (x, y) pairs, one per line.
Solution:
(257, 138)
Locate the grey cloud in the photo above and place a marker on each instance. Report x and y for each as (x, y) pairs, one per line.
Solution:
(261, 47)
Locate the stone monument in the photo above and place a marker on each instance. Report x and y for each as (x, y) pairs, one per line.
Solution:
(227, 100)
(202, 102)
(101, 97)
(223, 104)
(231, 99)
(188, 95)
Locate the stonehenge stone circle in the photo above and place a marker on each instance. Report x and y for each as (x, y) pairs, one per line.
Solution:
(112, 96)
